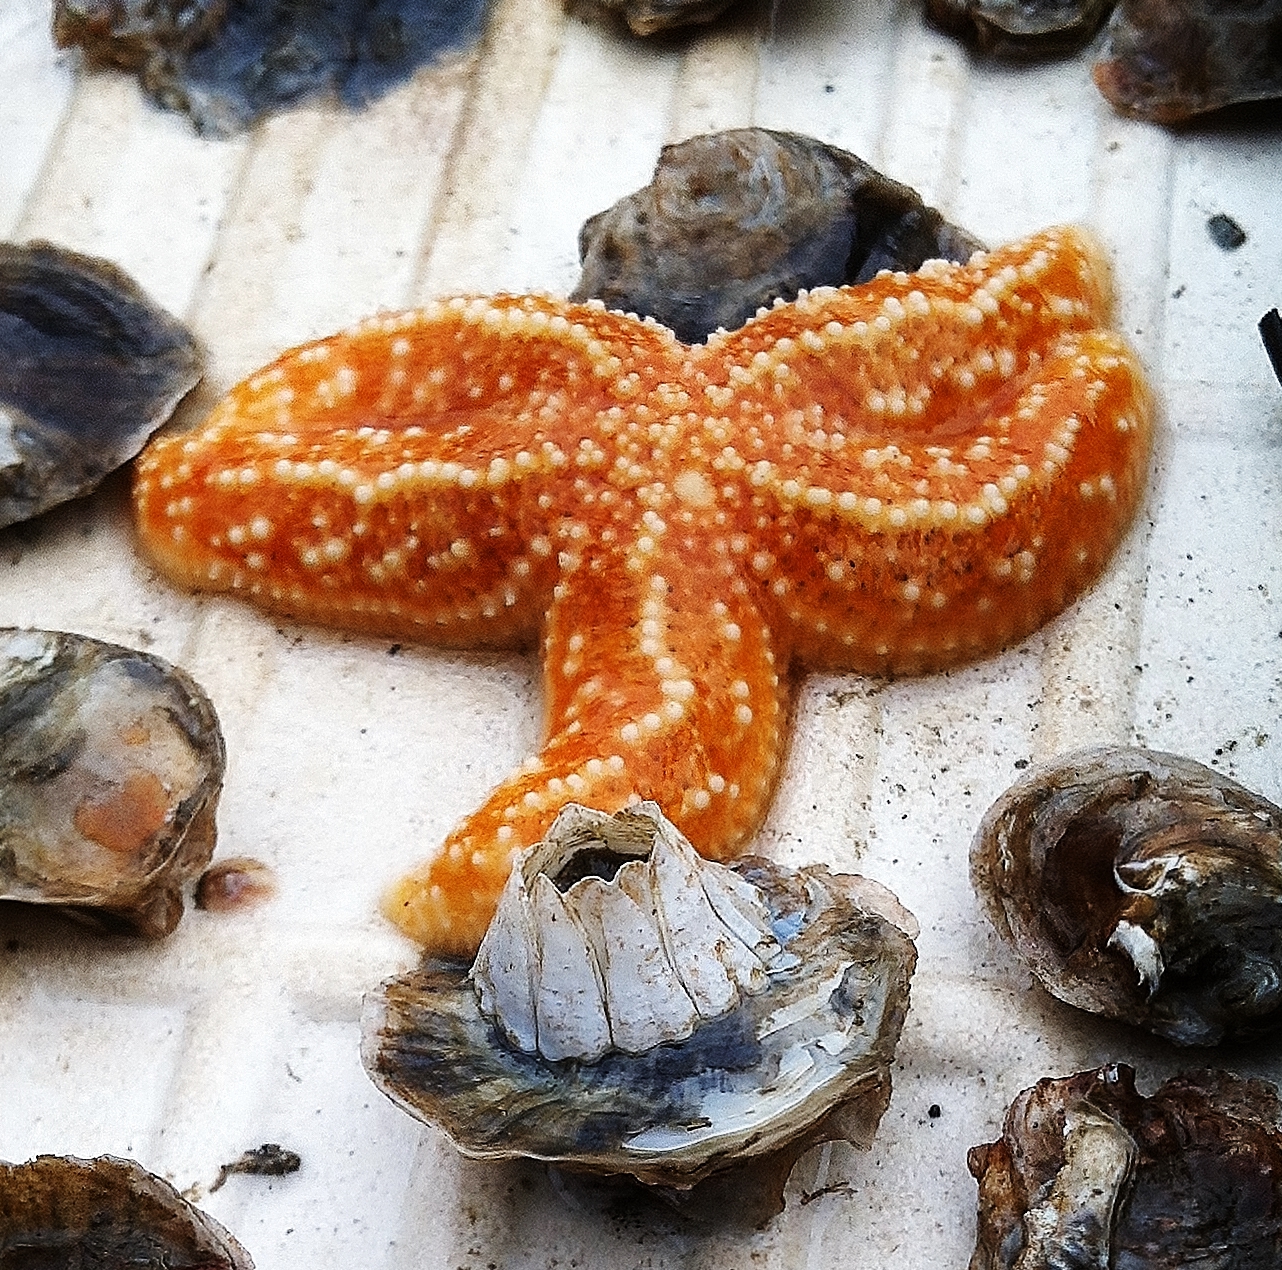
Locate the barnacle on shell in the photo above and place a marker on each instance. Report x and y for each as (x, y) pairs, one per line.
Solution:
(1142, 886)
(638, 1010)
(111, 763)
(1090, 1173)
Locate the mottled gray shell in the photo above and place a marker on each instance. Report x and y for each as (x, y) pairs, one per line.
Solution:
(226, 65)
(1089, 1173)
(111, 763)
(733, 221)
(805, 1059)
(89, 369)
(1142, 886)
(60, 1211)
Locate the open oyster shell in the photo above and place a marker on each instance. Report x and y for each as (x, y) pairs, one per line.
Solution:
(568, 1042)
(111, 763)
(1142, 886)
(1089, 1173)
(58, 1211)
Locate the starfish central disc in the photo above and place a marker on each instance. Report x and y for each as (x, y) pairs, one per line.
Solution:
(892, 477)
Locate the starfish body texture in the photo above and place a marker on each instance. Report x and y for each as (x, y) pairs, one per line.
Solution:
(890, 478)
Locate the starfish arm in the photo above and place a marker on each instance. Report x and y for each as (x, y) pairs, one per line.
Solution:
(888, 477)
(654, 690)
(395, 477)
(937, 464)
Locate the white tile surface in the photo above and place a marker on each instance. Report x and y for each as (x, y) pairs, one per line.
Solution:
(348, 762)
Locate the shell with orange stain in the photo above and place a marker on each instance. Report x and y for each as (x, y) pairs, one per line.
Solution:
(111, 763)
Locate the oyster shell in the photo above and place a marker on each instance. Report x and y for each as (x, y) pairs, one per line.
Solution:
(1141, 886)
(89, 369)
(638, 1010)
(648, 17)
(1021, 28)
(1168, 60)
(228, 64)
(58, 1211)
(732, 221)
(1089, 1173)
(111, 763)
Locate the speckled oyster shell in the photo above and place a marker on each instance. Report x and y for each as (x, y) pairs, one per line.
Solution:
(733, 221)
(1089, 1173)
(1018, 29)
(1168, 60)
(1142, 886)
(798, 1049)
(111, 763)
(228, 64)
(58, 1211)
(89, 369)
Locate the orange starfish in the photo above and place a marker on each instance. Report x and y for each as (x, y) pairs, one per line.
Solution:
(892, 477)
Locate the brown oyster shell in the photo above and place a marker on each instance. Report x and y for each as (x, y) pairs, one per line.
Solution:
(1089, 1173)
(111, 763)
(1168, 60)
(1021, 29)
(58, 1211)
(1142, 886)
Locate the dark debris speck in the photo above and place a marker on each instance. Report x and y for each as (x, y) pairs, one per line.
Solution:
(269, 1160)
(1225, 232)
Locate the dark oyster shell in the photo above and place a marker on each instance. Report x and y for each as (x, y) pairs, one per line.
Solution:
(1144, 887)
(1167, 60)
(226, 63)
(1089, 1173)
(89, 369)
(59, 1212)
(1021, 28)
(805, 1056)
(111, 762)
(647, 17)
(734, 220)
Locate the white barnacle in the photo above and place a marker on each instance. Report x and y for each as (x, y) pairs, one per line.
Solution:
(622, 963)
